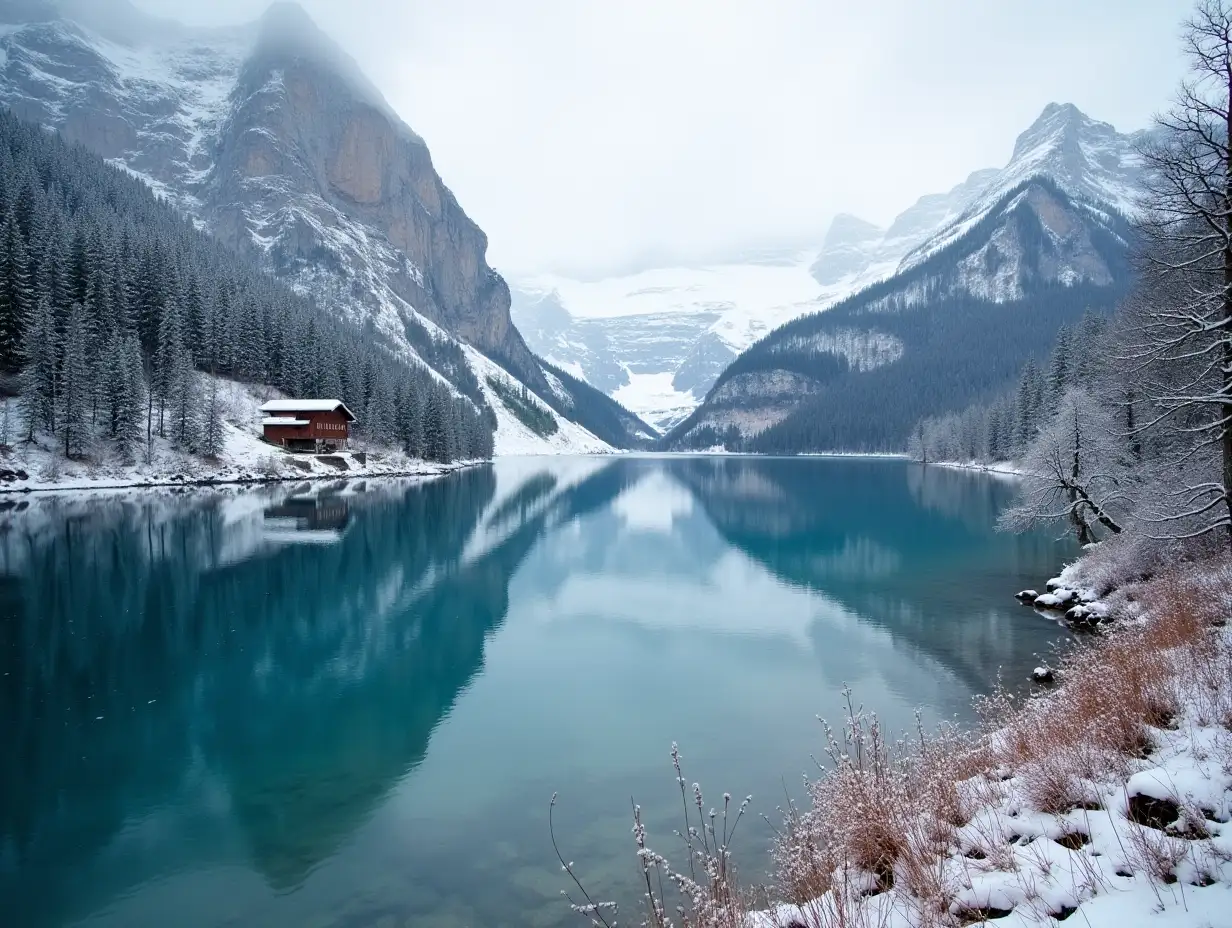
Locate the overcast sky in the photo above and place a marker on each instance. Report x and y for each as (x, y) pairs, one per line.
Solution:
(585, 136)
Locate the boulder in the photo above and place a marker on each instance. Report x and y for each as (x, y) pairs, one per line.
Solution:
(1026, 596)
(1043, 675)
(1060, 598)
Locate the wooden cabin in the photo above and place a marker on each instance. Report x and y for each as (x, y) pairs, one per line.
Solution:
(319, 426)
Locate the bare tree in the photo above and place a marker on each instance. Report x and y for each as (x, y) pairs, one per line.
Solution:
(1075, 472)
(1183, 345)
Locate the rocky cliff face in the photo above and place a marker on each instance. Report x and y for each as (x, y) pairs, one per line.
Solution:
(301, 113)
(272, 138)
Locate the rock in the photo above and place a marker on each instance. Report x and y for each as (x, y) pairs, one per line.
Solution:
(1026, 596)
(1078, 613)
(1053, 584)
(1059, 599)
(22, 475)
(1043, 675)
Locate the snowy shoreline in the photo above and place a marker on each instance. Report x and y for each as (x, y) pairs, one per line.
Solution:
(1107, 794)
(244, 480)
(1004, 469)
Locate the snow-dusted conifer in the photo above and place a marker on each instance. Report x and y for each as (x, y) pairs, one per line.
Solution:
(129, 397)
(38, 379)
(74, 393)
(211, 420)
(16, 294)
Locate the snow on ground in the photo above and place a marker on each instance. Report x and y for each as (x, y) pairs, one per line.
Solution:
(512, 437)
(245, 457)
(1144, 843)
(1000, 468)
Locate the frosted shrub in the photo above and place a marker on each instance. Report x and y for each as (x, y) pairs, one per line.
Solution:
(701, 894)
(881, 815)
(1123, 561)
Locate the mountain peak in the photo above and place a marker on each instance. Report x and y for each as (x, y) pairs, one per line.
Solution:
(848, 229)
(1086, 157)
(287, 16)
(1062, 110)
(286, 27)
(287, 34)
(1060, 125)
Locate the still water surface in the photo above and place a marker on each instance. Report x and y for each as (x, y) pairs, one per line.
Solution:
(348, 705)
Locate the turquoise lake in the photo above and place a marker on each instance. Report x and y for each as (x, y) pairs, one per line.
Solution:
(349, 704)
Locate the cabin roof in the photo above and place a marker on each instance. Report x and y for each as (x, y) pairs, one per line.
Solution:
(283, 420)
(306, 405)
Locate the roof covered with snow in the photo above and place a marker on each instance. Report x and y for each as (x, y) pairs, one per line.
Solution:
(306, 405)
(283, 420)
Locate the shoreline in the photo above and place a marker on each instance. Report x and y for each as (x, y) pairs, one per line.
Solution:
(1061, 806)
(1004, 469)
(153, 483)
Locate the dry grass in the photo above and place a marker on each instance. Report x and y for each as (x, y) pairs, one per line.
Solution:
(1112, 694)
(882, 817)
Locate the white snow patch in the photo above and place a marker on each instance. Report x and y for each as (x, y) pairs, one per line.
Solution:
(512, 437)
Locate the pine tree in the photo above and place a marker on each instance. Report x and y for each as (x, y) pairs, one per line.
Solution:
(51, 283)
(16, 294)
(1086, 348)
(1030, 401)
(73, 396)
(1059, 370)
(211, 421)
(177, 384)
(127, 395)
(435, 443)
(38, 380)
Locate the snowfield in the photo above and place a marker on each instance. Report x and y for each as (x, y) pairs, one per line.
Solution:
(655, 399)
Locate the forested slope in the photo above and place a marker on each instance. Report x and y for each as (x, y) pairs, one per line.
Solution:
(953, 328)
(111, 303)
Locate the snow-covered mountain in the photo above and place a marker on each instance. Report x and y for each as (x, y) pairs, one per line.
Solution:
(943, 306)
(659, 339)
(270, 137)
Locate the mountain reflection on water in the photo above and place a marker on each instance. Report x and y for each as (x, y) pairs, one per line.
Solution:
(245, 706)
